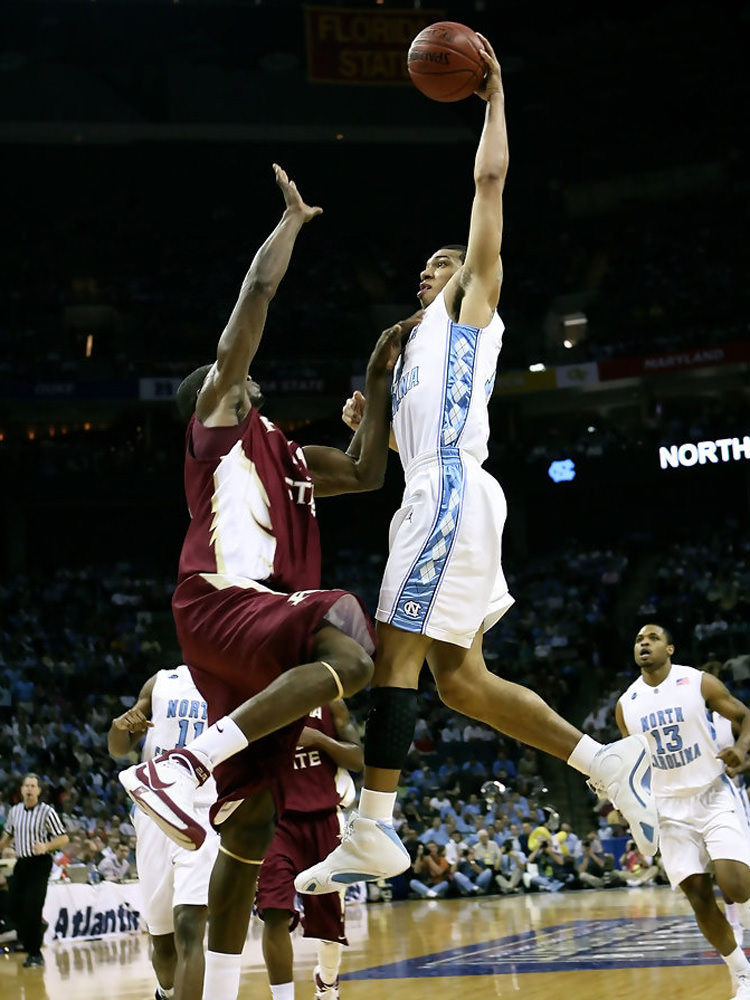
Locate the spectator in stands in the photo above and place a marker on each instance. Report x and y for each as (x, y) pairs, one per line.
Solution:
(510, 868)
(487, 851)
(455, 847)
(435, 833)
(635, 868)
(115, 867)
(432, 873)
(595, 865)
(528, 764)
(550, 872)
(471, 875)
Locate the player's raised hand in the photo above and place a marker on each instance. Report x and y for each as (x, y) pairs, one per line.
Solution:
(386, 350)
(353, 410)
(292, 197)
(492, 82)
(392, 341)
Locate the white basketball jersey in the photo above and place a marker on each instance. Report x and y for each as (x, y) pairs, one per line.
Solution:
(179, 713)
(676, 720)
(442, 384)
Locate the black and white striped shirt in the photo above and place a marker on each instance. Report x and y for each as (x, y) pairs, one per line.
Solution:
(28, 826)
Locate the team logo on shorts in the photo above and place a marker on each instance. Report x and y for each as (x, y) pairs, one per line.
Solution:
(412, 609)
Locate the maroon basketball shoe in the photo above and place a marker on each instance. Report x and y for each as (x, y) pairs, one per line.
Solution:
(322, 990)
(164, 789)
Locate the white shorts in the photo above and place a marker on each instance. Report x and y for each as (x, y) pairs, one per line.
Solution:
(169, 875)
(699, 829)
(444, 574)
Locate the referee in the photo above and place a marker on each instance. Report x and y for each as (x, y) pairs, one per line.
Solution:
(36, 831)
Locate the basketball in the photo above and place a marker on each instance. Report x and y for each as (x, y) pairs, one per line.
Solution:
(444, 61)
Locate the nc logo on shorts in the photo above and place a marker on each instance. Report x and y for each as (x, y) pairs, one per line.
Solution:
(412, 609)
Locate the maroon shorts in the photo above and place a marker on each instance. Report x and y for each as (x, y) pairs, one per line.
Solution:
(302, 840)
(236, 640)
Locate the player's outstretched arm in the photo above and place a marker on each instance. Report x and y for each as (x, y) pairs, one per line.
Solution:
(362, 467)
(127, 729)
(241, 336)
(481, 274)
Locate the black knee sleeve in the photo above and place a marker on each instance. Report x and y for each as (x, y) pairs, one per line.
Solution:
(390, 727)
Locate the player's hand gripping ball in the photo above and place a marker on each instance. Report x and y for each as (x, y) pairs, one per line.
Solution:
(444, 61)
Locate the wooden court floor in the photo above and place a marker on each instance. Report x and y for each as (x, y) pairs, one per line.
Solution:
(618, 944)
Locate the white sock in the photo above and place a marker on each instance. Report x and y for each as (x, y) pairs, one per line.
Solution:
(282, 991)
(583, 754)
(737, 961)
(168, 993)
(329, 960)
(220, 741)
(730, 910)
(222, 977)
(377, 805)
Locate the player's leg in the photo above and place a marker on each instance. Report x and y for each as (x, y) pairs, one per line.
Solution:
(278, 953)
(466, 685)
(324, 920)
(189, 932)
(245, 837)
(733, 879)
(732, 913)
(370, 847)
(326, 972)
(716, 929)
(164, 963)
(34, 891)
(340, 668)
(622, 769)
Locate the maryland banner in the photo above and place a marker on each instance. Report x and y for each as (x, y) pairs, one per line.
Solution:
(362, 46)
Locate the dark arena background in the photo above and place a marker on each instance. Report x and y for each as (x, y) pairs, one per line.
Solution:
(137, 141)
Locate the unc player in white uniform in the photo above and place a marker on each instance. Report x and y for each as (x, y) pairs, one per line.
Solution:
(443, 585)
(702, 822)
(171, 711)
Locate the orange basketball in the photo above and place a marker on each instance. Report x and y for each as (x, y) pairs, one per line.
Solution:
(444, 61)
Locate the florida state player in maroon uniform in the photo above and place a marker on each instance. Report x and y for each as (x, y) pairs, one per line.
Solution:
(264, 645)
(308, 830)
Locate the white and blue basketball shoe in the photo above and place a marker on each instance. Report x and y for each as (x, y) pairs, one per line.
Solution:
(369, 850)
(621, 771)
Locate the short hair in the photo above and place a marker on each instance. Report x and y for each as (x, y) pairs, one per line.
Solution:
(459, 248)
(31, 774)
(188, 389)
(667, 634)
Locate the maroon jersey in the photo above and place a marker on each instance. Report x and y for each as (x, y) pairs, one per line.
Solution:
(250, 497)
(311, 784)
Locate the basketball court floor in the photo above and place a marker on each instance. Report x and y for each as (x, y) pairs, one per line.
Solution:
(617, 944)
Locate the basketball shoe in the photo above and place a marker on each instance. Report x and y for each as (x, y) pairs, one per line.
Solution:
(369, 850)
(322, 990)
(621, 771)
(742, 987)
(164, 789)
